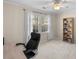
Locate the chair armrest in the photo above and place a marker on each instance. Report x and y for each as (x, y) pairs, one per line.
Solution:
(20, 44)
(21, 47)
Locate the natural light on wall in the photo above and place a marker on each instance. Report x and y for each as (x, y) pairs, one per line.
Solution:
(49, 24)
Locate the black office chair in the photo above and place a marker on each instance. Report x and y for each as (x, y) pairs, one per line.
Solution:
(31, 46)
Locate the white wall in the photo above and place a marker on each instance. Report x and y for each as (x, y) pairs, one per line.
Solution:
(53, 27)
(13, 23)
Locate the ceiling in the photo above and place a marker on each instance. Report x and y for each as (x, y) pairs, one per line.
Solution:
(40, 4)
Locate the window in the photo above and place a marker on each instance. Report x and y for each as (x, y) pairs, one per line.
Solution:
(39, 22)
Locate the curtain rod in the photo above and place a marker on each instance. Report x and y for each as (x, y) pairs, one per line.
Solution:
(35, 11)
(39, 12)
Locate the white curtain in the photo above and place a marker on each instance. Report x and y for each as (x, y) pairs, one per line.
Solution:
(27, 25)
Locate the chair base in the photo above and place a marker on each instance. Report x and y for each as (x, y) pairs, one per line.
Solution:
(29, 54)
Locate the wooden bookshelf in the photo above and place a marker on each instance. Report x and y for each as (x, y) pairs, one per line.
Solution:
(68, 29)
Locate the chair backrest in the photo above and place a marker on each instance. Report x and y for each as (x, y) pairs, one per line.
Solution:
(33, 42)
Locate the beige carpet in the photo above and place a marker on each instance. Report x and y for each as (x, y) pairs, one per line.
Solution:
(51, 50)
